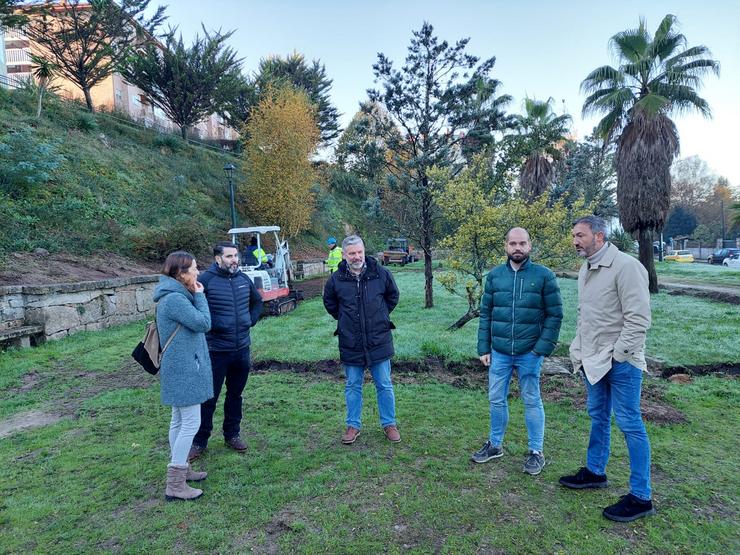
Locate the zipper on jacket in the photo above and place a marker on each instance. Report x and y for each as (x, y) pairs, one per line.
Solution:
(236, 315)
(513, 302)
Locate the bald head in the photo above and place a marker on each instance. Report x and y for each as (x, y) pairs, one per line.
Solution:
(517, 246)
(516, 230)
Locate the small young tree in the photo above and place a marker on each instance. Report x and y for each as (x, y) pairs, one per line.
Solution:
(476, 241)
(186, 82)
(282, 135)
(88, 40)
(44, 71)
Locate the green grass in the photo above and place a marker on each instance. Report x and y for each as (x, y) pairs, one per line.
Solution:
(93, 481)
(685, 330)
(710, 274)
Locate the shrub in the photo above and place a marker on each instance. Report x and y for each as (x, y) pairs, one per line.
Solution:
(622, 240)
(87, 122)
(26, 161)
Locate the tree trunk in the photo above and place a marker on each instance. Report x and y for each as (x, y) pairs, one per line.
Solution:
(426, 231)
(645, 238)
(88, 100)
(38, 108)
(467, 317)
(184, 132)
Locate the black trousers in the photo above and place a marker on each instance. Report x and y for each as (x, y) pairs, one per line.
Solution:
(231, 367)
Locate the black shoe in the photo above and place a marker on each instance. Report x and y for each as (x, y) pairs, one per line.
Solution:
(584, 478)
(236, 444)
(486, 453)
(629, 508)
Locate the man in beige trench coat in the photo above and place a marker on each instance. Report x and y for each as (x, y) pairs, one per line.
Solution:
(609, 349)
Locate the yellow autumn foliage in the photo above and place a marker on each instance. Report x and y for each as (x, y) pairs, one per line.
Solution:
(476, 242)
(281, 136)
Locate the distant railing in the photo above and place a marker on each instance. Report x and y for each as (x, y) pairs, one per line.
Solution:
(165, 131)
(10, 82)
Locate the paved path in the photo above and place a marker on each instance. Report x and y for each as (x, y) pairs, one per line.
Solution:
(725, 293)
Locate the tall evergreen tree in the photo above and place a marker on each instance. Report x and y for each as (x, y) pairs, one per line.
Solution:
(433, 99)
(88, 40)
(186, 82)
(275, 72)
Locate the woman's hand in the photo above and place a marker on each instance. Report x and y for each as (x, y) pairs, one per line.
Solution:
(197, 287)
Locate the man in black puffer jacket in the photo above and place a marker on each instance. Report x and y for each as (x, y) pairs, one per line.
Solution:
(235, 306)
(360, 295)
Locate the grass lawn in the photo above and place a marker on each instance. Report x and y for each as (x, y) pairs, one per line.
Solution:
(711, 274)
(685, 330)
(92, 480)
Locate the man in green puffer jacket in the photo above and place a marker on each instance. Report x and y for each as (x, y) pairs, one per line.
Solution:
(520, 317)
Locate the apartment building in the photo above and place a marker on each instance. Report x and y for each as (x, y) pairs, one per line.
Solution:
(112, 94)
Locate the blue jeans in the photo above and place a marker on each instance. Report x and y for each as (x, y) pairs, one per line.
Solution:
(619, 389)
(499, 376)
(381, 373)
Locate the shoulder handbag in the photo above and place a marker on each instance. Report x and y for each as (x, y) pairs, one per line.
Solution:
(148, 353)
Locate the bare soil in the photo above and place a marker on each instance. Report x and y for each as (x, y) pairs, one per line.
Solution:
(27, 268)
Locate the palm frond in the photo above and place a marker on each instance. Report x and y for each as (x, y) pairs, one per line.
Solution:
(602, 75)
(630, 45)
(652, 104)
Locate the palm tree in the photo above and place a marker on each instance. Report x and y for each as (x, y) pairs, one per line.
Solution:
(44, 71)
(658, 75)
(543, 132)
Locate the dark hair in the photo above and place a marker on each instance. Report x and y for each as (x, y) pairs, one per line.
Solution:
(253, 241)
(218, 248)
(595, 224)
(177, 263)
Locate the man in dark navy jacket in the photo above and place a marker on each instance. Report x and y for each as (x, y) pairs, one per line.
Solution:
(360, 295)
(235, 306)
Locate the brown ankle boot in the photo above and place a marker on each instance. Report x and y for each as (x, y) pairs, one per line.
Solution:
(177, 488)
(194, 475)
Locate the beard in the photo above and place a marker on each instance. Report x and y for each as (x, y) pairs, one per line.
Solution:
(231, 268)
(517, 257)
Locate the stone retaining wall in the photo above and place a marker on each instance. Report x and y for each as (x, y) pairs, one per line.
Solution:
(64, 309)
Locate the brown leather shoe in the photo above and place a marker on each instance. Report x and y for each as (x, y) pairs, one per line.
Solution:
(391, 432)
(236, 444)
(195, 452)
(350, 435)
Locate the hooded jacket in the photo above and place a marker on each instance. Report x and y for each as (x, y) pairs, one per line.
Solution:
(235, 306)
(521, 311)
(362, 308)
(185, 371)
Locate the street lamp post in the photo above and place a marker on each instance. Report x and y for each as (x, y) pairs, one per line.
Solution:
(229, 171)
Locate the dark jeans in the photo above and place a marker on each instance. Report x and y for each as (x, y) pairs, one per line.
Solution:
(232, 367)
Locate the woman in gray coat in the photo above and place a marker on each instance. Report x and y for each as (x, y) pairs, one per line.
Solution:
(185, 373)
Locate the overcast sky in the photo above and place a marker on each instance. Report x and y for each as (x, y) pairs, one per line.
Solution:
(543, 48)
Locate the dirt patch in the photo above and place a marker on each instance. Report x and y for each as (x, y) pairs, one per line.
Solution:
(702, 370)
(556, 385)
(311, 288)
(28, 420)
(720, 295)
(27, 268)
(66, 402)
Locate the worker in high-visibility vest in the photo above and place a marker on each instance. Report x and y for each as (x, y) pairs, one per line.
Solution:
(335, 255)
(254, 256)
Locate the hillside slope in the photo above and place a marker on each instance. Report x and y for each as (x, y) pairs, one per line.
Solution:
(79, 183)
